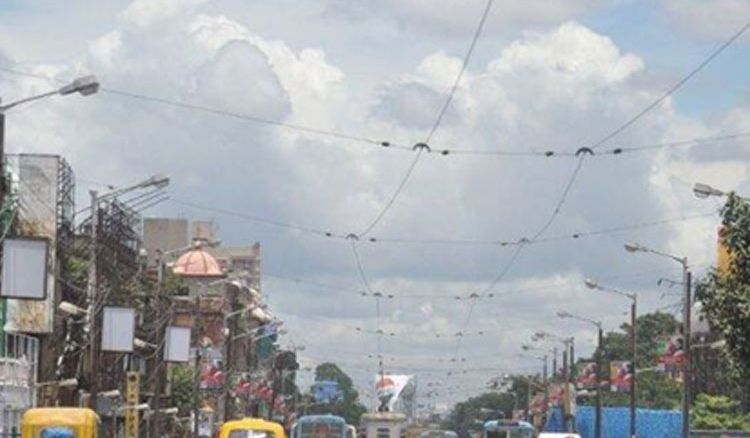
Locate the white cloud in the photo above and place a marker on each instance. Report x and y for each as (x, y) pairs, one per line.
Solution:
(557, 89)
(444, 16)
(144, 13)
(712, 19)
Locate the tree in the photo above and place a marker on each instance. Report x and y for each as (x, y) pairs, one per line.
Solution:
(349, 406)
(468, 416)
(654, 390)
(718, 412)
(726, 295)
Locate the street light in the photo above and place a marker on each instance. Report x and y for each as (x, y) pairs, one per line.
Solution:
(591, 284)
(600, 338)
(88, 86)
(703, 191)
(687, 304)
(85, 86)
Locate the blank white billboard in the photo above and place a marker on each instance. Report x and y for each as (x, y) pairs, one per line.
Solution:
(118, 329)
(25, 269)
(177, 344)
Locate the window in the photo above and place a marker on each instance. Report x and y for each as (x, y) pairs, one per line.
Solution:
(383, 432)
(57, 432)
(249, 433)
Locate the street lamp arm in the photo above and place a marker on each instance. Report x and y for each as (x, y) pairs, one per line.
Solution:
(16, 103)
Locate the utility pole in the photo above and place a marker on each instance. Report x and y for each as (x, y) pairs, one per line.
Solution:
(687, 367)
(229, 359)
(198, 324)
(554, 361)
(633, 352)
(159, 353)
(598, 420)
(91, 295)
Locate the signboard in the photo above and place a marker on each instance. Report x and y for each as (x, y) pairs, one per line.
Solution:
(620, 376)
(25, 268)
(395, 393)
(177, 344)
(671, 353)
(118, 329)
(132, 393)
(36, 177)
(586, 378)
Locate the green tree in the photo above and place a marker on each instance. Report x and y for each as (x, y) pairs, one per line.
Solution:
(183, 387)
(468, 416)
(653, 389)
(718, 412)
(349, 407)
(726, 295)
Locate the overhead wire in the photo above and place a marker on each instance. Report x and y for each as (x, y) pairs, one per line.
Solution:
(674, 88)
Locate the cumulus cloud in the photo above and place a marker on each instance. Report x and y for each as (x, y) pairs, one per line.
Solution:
(442, 15)
(712, 19)
(557, 89)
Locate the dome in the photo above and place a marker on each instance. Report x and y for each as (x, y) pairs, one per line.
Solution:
(197, 263)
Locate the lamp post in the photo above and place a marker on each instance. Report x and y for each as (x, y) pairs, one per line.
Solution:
(687, 304)
(568, 351)
(543, 359)
(600, 339)
(159, 181)
(591, 284)
(84, 86)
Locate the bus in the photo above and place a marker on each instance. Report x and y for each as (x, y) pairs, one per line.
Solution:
(508, 429)
(383, 425)
(319, 426)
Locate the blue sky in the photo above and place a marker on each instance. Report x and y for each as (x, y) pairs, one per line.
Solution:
(544, 76)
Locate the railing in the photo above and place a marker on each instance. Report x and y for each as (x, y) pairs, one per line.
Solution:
(18, 370)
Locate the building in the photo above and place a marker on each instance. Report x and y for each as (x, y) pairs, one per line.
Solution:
(163, 234)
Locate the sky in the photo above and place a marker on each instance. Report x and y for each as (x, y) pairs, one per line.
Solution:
(543, 77)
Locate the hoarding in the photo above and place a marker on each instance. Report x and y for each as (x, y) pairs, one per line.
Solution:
(118, 329)
(177, 344)
(396, 393)
(36, 179)
(620, 376)
(671, 353)
(25, 268)
(586, 378)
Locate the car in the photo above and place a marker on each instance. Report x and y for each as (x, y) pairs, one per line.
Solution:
(558, 435)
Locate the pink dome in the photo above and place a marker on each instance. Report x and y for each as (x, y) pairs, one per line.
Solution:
(197, 263)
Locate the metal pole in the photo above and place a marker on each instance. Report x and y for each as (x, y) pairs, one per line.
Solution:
(159, 351)
(572, 358)
(598, 420)
(229, 359)
(554, 362)
(91, 299)
(197, 375)
(687, 371)
(633, 331)
(566, 393)
(3, 188)
(546, 386)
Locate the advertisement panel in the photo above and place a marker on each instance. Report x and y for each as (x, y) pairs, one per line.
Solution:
(620, 376)
(396, 393)
(586, 378)
(35, 177)
(671, 353)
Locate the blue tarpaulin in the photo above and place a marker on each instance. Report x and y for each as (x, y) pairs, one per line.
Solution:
(650, 423)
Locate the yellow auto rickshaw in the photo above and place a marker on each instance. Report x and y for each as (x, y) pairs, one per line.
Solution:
(250, 428)
(59, 423)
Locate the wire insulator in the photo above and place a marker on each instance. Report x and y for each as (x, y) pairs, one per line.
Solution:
(423, 146)
(584, 150)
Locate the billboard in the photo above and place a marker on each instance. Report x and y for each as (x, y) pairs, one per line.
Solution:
(118, 329)
(396, 393)
(620, 376)
(586, 378)
(25, 268)
(35, 177)
(327, 391)
(671, 353)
